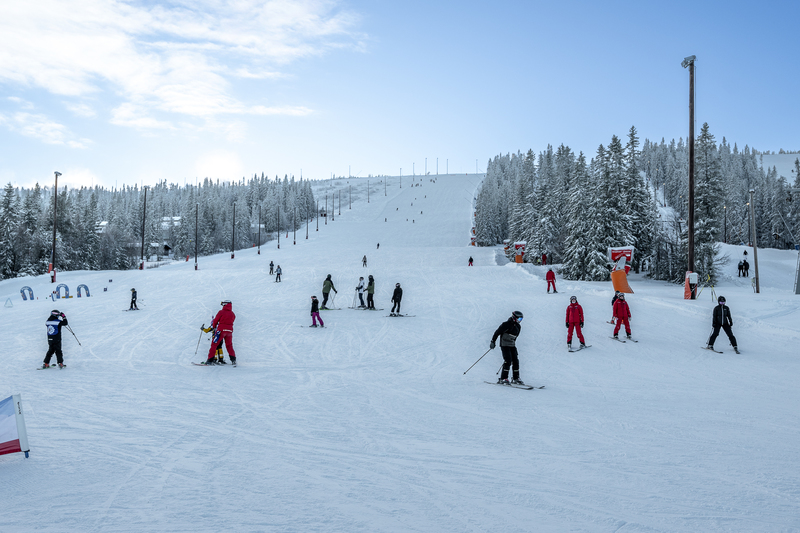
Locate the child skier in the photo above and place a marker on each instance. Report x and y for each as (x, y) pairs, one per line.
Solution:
(574, 321)
(133, 307)
(551, 278)
(623, 314)
(315, 313)
(508, 333)
(271, 268)
(54, 323)
(397, 295)
(721, 318)
(223, 325)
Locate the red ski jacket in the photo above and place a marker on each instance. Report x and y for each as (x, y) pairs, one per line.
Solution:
(224, 319)
(621, 309)
(551, 276)
(574, 313)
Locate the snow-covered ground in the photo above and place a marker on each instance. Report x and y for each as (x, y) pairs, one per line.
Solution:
(370, 424)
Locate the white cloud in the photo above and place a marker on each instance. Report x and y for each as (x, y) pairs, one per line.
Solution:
(38, 126)
(175, 57)
(81, 110)
(219, 164)
(78, 177)
(21, 102)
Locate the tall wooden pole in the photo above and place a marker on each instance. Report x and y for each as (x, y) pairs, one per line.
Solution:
(52, 267)
(233, 232)
(689, 62)
(755, 239)
(259, 229)
(144, 216)
(196, 225)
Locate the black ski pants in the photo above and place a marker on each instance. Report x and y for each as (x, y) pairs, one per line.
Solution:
(361, 297)
(370, 301)
(324, 298)
(397, 305)
(728, 332)
(54, 347)
(510, 359)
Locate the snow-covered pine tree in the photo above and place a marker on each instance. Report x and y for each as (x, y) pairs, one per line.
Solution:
(707, 205)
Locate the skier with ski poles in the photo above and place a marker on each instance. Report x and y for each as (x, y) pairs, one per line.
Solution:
(574, 321)
(623, 314)
(133, 307)
(54, 323)
(223, 326)
(371, 293)
(360, 290)
(327, 287)
(508, 333)
(721, 318)
(397, 295)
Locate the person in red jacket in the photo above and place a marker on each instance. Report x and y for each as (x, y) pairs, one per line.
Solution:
(551, 278)
(623, 314)
(574, 321)
(223, 323)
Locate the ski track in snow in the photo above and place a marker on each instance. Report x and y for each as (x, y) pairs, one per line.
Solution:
(370, 423)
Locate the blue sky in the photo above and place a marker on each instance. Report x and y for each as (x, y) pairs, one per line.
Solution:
(111, 92)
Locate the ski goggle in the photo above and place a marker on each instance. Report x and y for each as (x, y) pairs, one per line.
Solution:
(519, 318)
(573, 299)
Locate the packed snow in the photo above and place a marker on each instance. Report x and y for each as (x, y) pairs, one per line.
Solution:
(370, 423)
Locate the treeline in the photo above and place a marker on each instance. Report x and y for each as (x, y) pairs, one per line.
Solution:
(572, 209)
(101, 229)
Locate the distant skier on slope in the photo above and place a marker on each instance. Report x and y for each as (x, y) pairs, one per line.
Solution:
(508, 333)
(721, 318)
(470, 260)
(223, 326)
(371, 293)
(271, 267)
(54, 323)
(315, 313)
(364, 262)
(397, 295)
(133, 307)
(574, 321)
(327, 287)
(278, 272)
(623, 314)
(551, 278)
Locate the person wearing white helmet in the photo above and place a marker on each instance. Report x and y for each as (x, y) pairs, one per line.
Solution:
(508, 333)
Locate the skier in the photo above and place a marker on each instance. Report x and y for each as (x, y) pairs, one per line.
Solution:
(371, 293)
(54, 323)
(623, 314)
(397, 295)
(271, 266)
(278, 273)
(315, 313)
(379, 246)
(508, 333)
(360, 289)
(364, 262)
(721, 318)
(327, 286)
(741, 269)
(470, 260)
(551, 278)
(133, 307)
(746, 268)
(544, 259)
(574, 320)
(220, 355)
(223, 326)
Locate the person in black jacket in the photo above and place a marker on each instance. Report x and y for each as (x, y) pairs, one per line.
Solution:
(721, 318)
(508, 333)
(54, 323)
(397, 295)
(133, 307)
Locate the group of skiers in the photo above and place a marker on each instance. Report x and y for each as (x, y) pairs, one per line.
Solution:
(744, 268)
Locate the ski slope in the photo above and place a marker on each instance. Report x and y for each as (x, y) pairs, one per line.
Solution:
(370, 423)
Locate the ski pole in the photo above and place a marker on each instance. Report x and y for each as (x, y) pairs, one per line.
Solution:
(200, 338)
(73, 334)
(476, 362)
(498, 370)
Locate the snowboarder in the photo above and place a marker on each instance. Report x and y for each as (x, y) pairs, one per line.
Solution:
(397, 295)
(327, 286)
(315, 313)
(551, 278)
(133, 307)
(741, 269)
(574, 321)
(271, 266)
(470, 260)
(278, 274)
(360, 289)
(721, 318)
(508, 333)
(54, 323)
(223, 331)
(371, 293)
(746, 268)
(623, 314)
(364, 262)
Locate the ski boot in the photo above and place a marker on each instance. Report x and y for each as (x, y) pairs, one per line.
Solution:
(583, 345)
(45, 365)
(233, 361)
(569, 345)
(221, 360)
(736, 349)
(628, 335)
(502, 381)
(517, 381)
(616, 337)
(61, 365)
(211, 361)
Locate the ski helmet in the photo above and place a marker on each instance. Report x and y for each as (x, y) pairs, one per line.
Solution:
(573, 298)
(313, 297)
(55, 312)
(517, 315)
(621, 296)
(370, 276)
(133, 289)
(223, 302)
(721, 300)
(396, 284)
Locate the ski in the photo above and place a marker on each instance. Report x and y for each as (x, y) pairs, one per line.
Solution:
(396, 316)
(312, 326)
(618, 339)
(513, 386)
(579, 348)
(632, 340)
(711, 349)
(330, 308)
(51, 366)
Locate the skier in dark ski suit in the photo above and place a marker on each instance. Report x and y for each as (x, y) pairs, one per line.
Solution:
(54, 323)
(327, 286)
(508, 333)
(397, 295)
(223, 323)
(371, 293)
(721, 318)
(133, 301)
(271, 268)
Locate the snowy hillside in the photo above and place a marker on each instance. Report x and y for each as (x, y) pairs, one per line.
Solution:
(370, 423)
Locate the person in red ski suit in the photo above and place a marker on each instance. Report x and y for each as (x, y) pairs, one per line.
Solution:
(223, 323)
(622, 313)
(551, 278)
(574, 321)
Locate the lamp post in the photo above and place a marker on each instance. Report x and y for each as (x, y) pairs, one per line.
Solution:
(196, 224)
(144, 216)
(689, 62)
(317, 215)
(294, 226)
(725, 230)
(52, 268)
(233, 232)
(755, 246)
(259, 229)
